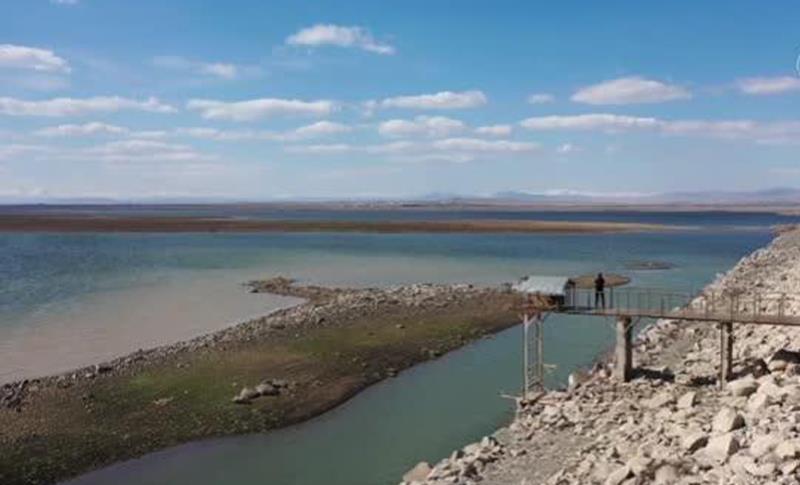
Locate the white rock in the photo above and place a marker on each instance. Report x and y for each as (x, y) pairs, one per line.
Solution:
(742, 387)
(688, 400)
(419, 473)
(660, 400)
(726, 420)
(693, 441)
(618, 476)
(785, 450)
(758, 401)
(719, 448)
(762, 445)
(666, 475)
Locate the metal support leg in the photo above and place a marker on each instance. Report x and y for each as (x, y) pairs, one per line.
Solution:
(725, 352)
(624, 349)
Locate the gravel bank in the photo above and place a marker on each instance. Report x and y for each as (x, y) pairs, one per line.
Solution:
(671, 425)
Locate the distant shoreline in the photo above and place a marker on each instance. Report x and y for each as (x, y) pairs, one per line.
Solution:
(72, 223)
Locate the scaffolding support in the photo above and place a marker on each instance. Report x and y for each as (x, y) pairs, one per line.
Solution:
(725, 352)
(624, 349)
(532, 353)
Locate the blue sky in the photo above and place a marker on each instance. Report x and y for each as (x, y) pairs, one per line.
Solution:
(264, 100)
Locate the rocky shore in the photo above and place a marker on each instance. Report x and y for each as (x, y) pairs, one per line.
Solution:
(672, 424)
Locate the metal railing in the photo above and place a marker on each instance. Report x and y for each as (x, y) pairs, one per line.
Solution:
(730, 305)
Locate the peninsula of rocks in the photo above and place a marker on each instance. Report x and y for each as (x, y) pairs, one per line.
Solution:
(263, 374)
(673, 423)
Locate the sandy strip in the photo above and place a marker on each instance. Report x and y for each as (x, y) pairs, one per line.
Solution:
(58, 223)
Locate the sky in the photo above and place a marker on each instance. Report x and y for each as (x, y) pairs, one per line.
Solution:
(254, 100)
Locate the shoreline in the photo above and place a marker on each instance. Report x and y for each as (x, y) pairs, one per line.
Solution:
(62, 223)
(671, 423)
(267, 373)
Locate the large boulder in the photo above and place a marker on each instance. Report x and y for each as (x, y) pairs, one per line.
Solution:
(726, 420)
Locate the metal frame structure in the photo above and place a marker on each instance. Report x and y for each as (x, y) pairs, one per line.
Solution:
(629, 305)
(533, 352)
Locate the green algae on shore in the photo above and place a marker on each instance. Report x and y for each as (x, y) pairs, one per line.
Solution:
(327, 349)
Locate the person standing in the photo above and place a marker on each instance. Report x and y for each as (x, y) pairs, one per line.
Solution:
(600, 291)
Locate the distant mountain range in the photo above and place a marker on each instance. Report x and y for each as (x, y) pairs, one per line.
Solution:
(773, 196)
(778, 195)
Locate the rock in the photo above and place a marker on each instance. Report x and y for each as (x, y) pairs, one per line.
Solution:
(790, 467)
(742, 387)
(419, 473)
(163, 401)
(640, 465)
(727, 420)
(786, 450)
(618, 476)
(267, 389)
(688, 400)
(762, 470)
(660, 400)
(666, 475)
(719, 448)
(693, 441)
(762, 445)
(758, 401)
(246, 395)
(782, 358)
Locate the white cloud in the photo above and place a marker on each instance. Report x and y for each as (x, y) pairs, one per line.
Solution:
(216, 69)
(341, 36)
(772, 133)
(433, 126)
(255, 109)
(440, 100)
(481, 145)
(57, 107)
(540, 98)
(448, 149)
(769, 85)
(321, 128)
(141, 151)
(14, 150)
(630, 90)
(594, 121)
(32, 58)
(494, 130)
(64, 2)
(86, 129)
(314, 130)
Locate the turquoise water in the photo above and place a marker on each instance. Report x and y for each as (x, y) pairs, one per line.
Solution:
(371, 440)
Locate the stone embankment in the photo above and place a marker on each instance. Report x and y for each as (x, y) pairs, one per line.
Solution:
(324, 306)
(672, 424)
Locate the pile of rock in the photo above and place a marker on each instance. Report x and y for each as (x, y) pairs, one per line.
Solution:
(463, 466)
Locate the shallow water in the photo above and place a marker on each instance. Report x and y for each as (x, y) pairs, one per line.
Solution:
(425, 412)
